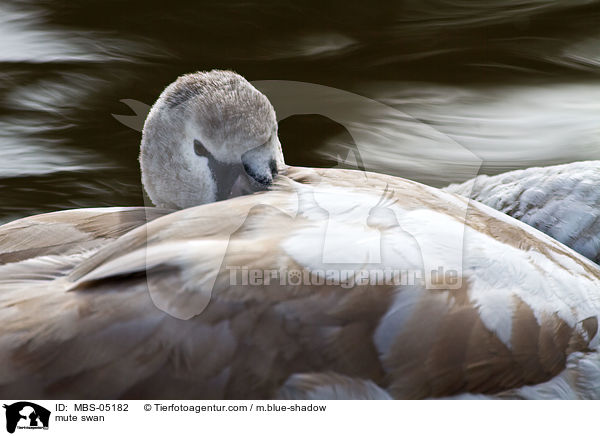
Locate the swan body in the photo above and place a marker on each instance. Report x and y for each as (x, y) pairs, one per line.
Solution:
(158, 307)
(562, 201)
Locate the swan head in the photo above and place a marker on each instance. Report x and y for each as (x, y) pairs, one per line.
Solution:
(209, 136)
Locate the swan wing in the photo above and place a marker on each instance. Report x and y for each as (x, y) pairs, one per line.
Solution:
(163, 311)
(69, 231)
(562, 201)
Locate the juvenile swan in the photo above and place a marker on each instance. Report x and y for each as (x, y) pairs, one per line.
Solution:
(242, 296)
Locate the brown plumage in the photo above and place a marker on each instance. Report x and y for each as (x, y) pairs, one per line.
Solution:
(94, 331)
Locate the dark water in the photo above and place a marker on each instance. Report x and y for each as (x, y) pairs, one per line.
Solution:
(515, 83)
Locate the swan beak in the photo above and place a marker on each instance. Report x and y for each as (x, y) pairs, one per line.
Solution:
(260, 164)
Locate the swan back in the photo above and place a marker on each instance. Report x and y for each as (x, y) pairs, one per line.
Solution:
(562, 201)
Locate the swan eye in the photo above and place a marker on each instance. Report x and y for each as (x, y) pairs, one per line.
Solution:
(200, 149)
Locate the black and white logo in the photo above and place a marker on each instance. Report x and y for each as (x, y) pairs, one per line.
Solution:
(26, 415)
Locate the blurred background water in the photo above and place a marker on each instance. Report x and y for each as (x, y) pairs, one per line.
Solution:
(515, 82)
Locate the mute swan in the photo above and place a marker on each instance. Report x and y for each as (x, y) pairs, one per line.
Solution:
(99, 304)
(562, 201)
